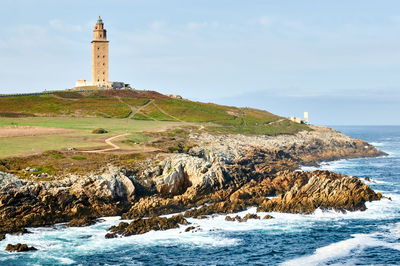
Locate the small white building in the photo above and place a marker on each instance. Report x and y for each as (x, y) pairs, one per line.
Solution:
(296, 119)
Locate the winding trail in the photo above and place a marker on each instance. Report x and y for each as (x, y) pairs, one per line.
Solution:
(134, 111)
(108, 142)
(277, 121)
(141, 108)
(162, 111)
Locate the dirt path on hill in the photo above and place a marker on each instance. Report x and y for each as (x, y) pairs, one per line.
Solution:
(162, 111)
(277, 121)
(108, 142)
(133, 109)
(136, 110)
(142, 107)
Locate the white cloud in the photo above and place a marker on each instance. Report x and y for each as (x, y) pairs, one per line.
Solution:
(200, 25)
(264, 21)
(157, 25)
(61, 26)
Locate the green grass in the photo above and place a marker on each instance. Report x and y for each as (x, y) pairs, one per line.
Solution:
(57, 156)
(139, 116)
(14, 146)
(45, 169)
(137, 138)
(112, 125)
(132, 140)
(230, 120)
(217, 118)
(81, 138)
(194, 111)
(136, 101)
(78, 158)
(51, 105)
(283, 127)
(153, 112)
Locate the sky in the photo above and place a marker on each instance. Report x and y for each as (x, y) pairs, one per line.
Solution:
(337, 59)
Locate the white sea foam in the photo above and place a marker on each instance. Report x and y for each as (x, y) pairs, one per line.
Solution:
(377, 144)
(388, 238)
(393, 231)
(286, 222)
(61, 241)
(60, 244)
(342, 249)
(64, 261)
(330, 166)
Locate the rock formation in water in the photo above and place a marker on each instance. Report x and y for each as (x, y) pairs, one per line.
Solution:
(242, 219)
(324, 190)
(141, 226)
(19, 248)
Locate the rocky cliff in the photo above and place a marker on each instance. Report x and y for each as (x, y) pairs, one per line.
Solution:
(228, 172)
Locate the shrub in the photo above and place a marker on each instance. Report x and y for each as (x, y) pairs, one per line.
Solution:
(99, 131)
(45, 169)
(57, 156)
(78, 158)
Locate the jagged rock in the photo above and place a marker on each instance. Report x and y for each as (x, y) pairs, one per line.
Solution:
(155, 206)
(141, 226)
(173, 182)
(251, 216)
(319, 144)
(240, 219)
(267, 217)
(229, 218)
(216, 208)
(190, 228)
(325, 190)
(181, 171)
(255, 193)
(228, 172)
(2, 237)
(28, 203)
(80, 222)
(19, 248)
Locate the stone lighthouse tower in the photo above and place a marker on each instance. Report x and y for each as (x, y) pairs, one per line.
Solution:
(100, 55)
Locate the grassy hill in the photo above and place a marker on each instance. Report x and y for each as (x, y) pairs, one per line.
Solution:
(145, 105)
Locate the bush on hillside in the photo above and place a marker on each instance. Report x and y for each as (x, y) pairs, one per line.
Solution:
(99, 131)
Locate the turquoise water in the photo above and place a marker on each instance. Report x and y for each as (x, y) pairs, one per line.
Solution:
(324, 238)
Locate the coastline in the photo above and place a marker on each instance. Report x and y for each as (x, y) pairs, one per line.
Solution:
(228, 172)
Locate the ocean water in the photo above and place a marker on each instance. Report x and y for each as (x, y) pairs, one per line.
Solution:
(371, 237)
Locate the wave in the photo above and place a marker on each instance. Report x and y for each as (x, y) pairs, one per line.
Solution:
(345, 248)
(330, 166)
(88, 237)
(341, 249)
(377, 144)
(63, 245)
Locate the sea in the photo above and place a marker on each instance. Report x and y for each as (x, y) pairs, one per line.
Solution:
(370, 237)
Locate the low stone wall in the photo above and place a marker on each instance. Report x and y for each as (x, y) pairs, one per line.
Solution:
(24, 94)
(37, 93)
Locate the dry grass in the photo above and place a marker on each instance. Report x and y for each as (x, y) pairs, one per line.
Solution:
(19, 131)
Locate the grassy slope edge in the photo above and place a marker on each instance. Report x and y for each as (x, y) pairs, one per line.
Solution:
(147, 105)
